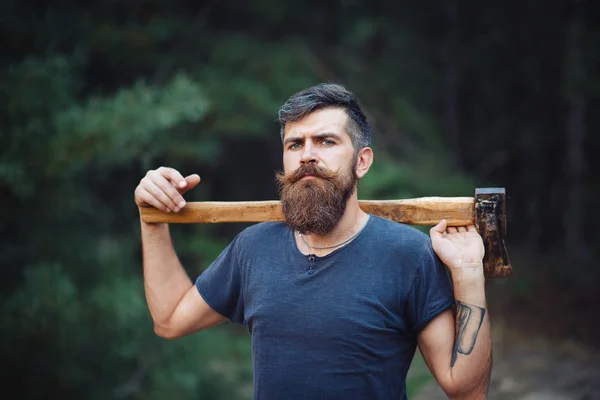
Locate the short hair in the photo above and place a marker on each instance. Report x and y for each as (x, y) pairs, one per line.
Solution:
(328, 95)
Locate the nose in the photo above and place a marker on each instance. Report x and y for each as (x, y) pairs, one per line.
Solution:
(308, 155)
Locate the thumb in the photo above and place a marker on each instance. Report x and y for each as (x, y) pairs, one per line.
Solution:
(439, 229)
(191, 182)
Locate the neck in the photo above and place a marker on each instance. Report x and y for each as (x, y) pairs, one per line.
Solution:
(351, 222)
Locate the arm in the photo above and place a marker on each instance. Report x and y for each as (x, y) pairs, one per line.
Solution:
(457, 345)
(175, 305)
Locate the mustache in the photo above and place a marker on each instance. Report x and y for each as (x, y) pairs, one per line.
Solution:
(305, 170)
(315, 206)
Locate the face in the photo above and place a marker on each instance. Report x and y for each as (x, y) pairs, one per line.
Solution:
(321, 169)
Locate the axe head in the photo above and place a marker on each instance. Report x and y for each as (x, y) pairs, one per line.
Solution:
(490, 220)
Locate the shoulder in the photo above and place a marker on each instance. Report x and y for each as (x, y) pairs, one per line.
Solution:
(264, 229)
(398, 234)
(263, 233)
(403, 243)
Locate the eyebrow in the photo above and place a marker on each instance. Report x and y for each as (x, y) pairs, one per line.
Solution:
(320, 136)
(328, 135)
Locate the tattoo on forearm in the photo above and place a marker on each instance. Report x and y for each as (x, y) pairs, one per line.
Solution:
(468, 322)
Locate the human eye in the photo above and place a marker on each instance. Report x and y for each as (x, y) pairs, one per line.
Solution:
(328, 142)
(294, 146)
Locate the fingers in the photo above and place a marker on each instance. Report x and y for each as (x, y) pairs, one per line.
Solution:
(145, 198)
(461, 229)
(163, 188)
(165, 193)
(191, 182)
(439, 229)
(173, 175)
(442, 227)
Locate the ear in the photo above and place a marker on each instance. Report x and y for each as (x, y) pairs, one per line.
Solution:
(364, 161)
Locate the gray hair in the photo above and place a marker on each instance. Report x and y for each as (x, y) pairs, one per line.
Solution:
(326, 95)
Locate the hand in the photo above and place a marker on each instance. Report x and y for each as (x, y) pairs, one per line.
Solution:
(458, 247)
(163, 188)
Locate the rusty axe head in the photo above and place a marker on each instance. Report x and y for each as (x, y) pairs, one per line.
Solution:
(490, 220)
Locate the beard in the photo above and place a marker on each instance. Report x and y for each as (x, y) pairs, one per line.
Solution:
(315, 206)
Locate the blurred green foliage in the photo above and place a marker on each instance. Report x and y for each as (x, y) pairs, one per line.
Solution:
(93, 95)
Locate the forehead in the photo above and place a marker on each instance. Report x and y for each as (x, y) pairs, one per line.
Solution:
(327, 120)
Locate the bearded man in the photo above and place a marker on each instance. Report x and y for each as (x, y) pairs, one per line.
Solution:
(335, 300)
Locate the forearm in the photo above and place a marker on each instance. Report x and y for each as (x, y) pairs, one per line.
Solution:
(471, 360)
(165, 280)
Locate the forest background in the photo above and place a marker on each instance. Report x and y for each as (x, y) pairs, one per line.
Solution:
(461, 94)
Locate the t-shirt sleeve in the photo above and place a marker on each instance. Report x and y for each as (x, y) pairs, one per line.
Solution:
(432, 291)
(221, 284)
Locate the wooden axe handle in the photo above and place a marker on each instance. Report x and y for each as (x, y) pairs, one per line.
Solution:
(486, 211)
(458, 211)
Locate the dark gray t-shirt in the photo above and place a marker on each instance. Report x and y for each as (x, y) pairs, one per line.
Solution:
(342, 326)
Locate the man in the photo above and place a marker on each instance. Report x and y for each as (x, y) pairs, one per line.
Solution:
(335, 300)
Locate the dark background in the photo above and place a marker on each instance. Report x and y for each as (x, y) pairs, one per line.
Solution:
(461, 94)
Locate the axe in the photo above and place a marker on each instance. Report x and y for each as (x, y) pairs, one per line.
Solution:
(486, 210)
